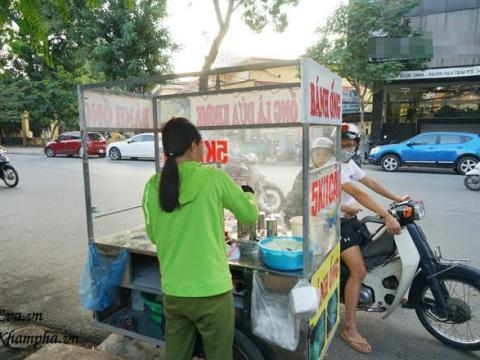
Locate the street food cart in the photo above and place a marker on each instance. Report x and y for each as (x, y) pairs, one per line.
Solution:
(231, 119)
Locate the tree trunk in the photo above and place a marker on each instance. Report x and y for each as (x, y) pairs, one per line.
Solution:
(224, 25)
(361, 148)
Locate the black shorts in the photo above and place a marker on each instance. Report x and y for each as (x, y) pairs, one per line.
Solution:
(351, 233)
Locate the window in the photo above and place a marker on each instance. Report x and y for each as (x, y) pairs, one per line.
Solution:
(136, 138)
(95, 137)
(142, 138)
(450, 139)
(63, 138)
(425, 140)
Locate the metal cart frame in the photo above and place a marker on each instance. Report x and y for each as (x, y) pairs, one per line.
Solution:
(142, 270)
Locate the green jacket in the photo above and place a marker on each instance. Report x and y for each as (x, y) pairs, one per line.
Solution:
(190, 240)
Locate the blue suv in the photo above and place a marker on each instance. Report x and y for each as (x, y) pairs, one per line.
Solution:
(461, 151)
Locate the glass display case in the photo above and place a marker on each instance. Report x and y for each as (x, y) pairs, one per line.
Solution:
(283, 141)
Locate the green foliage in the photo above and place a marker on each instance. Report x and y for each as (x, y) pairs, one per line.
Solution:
(343, 41)
(256, 13)
(88, 40)
(128, 42)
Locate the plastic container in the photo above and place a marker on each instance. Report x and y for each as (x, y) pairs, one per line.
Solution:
(281, 259)
(247, 247)
(154, 306)
(319, 234)
(296, 223)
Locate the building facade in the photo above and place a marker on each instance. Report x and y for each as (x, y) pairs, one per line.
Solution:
(446, 96)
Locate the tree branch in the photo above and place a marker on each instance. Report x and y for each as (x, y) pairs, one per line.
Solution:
(218, 12)
(240, 2)
(212, 55)
(365, 90)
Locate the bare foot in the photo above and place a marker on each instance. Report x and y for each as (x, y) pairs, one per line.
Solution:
(355, 341)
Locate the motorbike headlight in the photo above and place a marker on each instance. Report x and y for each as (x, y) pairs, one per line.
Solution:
(419, 209)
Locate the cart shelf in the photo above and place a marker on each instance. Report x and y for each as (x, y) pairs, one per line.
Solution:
(146, 329)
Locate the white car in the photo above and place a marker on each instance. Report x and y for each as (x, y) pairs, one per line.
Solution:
(138, 146)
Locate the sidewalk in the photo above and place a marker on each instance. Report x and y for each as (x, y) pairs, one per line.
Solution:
(33, 342)
(24, 150)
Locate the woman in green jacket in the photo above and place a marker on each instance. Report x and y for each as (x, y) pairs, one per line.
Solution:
(183, 208)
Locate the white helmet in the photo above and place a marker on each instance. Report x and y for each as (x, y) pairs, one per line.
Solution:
(323, 142)
(350, 131)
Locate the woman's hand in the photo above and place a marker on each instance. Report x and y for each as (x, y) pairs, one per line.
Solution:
(392, 225)
(402, 198)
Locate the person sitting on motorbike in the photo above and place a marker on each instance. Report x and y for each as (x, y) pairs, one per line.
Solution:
(351, 235)
(322, 153)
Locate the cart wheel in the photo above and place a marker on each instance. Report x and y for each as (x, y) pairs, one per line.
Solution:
(244, 348)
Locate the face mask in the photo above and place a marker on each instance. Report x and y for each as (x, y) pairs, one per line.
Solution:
(346, 155)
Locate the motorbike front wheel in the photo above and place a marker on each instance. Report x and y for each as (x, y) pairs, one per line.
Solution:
(472, 182)
(10, 176)
(461, 328)
(270, 198)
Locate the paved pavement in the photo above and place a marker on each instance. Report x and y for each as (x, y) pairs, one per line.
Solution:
(22, 150)
(43, 242)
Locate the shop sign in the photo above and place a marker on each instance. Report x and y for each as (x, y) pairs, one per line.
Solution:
(323, 324)
(350, 100)
(439, 73)
(106, 110)
(279, 106)
(322, 94)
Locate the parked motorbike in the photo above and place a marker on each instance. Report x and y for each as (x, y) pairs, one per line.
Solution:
(7, 172)
(403, 271)
(243, 169)
(472, 178)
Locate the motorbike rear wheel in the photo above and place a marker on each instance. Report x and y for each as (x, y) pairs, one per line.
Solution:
(472, 182)
(10, 176)
(461, 328)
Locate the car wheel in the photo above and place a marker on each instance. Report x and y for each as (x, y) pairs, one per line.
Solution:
(390, 163)
(50, 152)
(466, 164)
(115, 153)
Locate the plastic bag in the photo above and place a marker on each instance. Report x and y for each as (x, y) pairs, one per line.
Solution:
(100, 278)
(304, 300)
(271, 317)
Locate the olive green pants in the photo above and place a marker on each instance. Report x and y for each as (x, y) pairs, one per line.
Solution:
(213, 317)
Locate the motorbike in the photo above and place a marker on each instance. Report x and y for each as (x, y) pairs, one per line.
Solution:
(243, 170)
(472, 178)
(7, 172)
(403, 271)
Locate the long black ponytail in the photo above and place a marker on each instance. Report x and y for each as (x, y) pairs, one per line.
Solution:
(178, 134)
